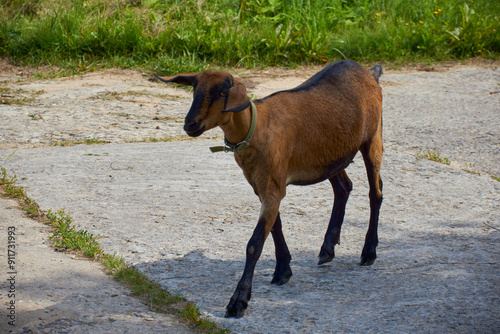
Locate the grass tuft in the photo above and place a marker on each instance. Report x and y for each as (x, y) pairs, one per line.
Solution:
(88, 141)
(66, 237)
(91, 141)
(471, 169)
(433, 156)
(7, 184)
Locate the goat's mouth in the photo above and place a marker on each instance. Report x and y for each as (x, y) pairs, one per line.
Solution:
(195, 133)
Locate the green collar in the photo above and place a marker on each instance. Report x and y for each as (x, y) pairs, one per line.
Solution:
(237, 148)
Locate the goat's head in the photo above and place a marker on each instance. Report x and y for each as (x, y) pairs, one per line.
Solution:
(216, 95)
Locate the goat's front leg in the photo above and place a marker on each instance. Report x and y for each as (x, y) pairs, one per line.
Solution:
(239, 301)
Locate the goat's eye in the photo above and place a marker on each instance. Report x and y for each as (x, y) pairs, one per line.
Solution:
(223, 93)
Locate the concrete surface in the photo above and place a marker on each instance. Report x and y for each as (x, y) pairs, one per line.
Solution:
(183, 216)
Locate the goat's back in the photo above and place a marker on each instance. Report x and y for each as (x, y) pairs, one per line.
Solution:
(324, 121)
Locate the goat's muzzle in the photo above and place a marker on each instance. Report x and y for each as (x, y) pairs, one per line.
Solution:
(193, 128)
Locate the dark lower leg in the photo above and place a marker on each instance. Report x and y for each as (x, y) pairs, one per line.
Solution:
(372, 155)
(342, 186)
(239, 301)
(282, 272)
(369, 254)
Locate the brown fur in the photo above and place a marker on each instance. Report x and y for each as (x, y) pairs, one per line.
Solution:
(303, 136)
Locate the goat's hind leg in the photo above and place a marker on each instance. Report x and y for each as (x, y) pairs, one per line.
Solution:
(372, 155)
(282, 272)
(342, 187)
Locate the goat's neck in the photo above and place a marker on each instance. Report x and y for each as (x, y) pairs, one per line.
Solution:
(238, 126)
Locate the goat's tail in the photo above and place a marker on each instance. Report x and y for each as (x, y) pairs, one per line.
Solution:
(376, 71)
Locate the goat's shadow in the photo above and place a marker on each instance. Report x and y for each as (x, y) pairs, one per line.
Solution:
(407, 286)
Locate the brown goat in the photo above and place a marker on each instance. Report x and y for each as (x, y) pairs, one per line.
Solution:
(302, 136)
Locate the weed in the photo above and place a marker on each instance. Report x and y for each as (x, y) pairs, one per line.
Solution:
(88, 141)
(191, 312)
(32, 208)
(113, 263)
(7, 183)
(9, 187)
(469, 169)
(16, 101)
(19, 97)
(66, 236)
(13, 191)
(10, 156)
(91, 141)
(433, 156)
(6, 179)
(142, 286)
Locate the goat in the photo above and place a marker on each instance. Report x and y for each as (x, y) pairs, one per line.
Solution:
(299, 136)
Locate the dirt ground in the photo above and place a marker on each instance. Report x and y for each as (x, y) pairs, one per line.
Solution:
(438, 263)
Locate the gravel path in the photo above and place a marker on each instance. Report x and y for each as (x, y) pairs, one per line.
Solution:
(184, 215)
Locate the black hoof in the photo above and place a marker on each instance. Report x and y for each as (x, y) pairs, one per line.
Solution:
(280, 278)
(368, 258)
(236, 309)
(237, 305)
(325, 259)
(325, 256)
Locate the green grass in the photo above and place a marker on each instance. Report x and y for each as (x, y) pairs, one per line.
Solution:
(189, 35)
(18, 96)
(433, 156)
(9, 188)
(67, 238)
(88, 141)
(471, 169)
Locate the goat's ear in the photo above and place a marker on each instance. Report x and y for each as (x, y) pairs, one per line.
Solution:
(237, 99)
(185, 79)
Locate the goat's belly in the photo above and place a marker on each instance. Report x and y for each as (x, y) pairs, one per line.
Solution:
(304, 178)
(312, 175)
